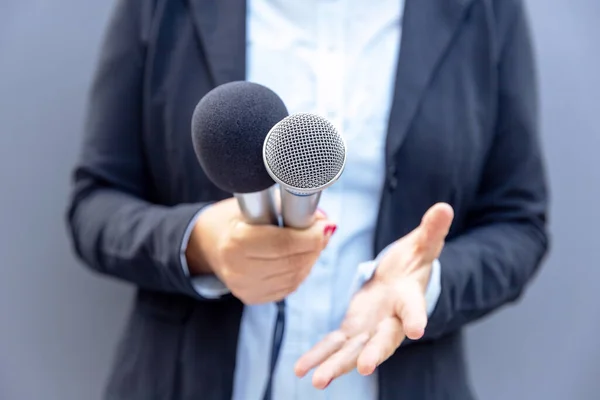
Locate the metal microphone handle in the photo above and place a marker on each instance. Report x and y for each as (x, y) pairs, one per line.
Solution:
(258, 208)
(298, 211)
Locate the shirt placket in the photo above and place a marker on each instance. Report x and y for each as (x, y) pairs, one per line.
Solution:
(330, 71)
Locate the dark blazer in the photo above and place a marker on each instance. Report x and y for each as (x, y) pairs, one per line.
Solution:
(463, 130)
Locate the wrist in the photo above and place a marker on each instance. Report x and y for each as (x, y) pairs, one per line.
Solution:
(196, 253)
(386, 262)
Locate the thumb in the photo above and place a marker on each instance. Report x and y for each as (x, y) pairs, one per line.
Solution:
(433, 229)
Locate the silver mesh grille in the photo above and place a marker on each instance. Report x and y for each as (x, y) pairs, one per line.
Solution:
(304, 151)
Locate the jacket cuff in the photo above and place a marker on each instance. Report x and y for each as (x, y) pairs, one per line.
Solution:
(207, 286)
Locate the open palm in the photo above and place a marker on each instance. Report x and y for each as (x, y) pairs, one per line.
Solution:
(387, 309)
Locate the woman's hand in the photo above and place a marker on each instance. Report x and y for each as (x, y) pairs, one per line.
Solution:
(389, 308)
(257, 263)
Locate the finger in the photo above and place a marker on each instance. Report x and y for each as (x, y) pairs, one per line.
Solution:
(436, 222)
(320, 214)
(276, 296)
(272, 242)
(320, 352)
(340, 363)
(272, 271)
(282, 285)
(306, 264)
(270, 296)
(412, 310)
(433, 230)
(381, 346)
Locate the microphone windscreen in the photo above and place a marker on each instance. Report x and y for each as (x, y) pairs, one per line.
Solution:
(229, 126)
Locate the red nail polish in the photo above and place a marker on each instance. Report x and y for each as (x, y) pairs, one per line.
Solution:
(329, 230)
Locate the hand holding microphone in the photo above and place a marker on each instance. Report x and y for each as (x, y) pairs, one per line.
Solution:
(244, 140)
(237, 241)
(258, 263)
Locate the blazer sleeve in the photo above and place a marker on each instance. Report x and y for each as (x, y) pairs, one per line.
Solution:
(506, 237)
(114, 227)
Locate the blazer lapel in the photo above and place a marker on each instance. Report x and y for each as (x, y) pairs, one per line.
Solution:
(427, 30)
(221, 29)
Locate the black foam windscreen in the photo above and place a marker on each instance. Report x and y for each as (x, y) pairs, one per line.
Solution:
(229, 126)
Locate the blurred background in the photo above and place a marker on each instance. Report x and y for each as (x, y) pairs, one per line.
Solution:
(59, 323)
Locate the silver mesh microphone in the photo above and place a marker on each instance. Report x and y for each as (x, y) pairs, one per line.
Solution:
(305, 154)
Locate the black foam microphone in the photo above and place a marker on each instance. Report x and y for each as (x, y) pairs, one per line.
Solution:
(229, 126)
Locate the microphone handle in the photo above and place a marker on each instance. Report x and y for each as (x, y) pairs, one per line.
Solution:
(258, 208)
(298, 211)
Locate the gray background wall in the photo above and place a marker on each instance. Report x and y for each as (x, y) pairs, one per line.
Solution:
(59, 323)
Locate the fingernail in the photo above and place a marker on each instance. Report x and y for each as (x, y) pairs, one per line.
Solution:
(329, 230)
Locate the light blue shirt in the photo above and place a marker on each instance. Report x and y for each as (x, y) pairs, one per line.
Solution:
(335, 58)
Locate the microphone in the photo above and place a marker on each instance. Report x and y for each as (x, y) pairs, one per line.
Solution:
(304, 154)
(229, 125)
